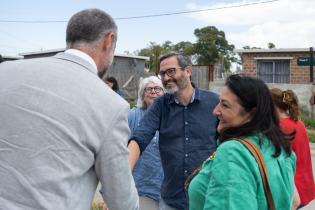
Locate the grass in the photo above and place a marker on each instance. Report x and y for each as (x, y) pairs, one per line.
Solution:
(309, 123)
(311, 136)
(96, 205)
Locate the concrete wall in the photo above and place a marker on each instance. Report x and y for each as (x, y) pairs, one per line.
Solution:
(303, 91)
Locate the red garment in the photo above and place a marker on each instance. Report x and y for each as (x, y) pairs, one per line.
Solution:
(303, 179)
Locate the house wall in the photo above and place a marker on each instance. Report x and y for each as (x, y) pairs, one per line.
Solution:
(298, 74)
(202, 75)
(303, 91)
(127, 72)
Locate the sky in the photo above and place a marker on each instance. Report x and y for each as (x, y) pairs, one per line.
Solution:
(286, 23)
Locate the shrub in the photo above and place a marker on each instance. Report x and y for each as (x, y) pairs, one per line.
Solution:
(311, 136)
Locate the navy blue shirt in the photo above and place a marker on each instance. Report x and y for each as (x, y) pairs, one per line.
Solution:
(187, 138)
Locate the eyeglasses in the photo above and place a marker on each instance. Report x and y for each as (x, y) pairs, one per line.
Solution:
(156, 89)
(169, 72)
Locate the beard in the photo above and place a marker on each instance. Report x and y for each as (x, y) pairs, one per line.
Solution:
(106, 65)
(181, 83)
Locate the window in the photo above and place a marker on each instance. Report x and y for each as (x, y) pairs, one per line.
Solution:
(277, 71)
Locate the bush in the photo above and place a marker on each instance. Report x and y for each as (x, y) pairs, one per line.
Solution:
(311, 136)
(308, 121)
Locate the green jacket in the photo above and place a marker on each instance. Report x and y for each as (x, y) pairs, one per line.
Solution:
(231, 180)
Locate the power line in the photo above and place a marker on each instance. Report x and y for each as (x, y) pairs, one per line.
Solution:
(195, 11)
(145, 16)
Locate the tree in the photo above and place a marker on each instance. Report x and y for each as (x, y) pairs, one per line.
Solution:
(154, 51)
(183, 47)
(212, 47)
(271, 45)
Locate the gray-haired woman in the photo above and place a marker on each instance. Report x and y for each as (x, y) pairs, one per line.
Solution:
(148, 172)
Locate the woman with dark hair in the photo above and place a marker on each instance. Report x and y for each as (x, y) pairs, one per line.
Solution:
(113, 84)
(287, 106)
(230, 178)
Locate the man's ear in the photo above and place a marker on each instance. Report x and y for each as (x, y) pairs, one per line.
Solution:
(188, 69)
(109, 40)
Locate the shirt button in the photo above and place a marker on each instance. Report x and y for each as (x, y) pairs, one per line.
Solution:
(185, 107)
(186, 155)
(186, 139)
(186, 123)
(185, 171)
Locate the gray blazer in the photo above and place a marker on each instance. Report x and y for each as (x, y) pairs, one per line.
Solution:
(62, 131)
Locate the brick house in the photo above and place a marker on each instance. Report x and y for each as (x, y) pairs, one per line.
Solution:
(287, 66)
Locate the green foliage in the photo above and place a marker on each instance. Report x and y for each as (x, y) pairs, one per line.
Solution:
(186, 48)
(247, 47)
(305, 117)
(308, 121)
(211, 47)
(271, 45)
(311, 136)
(153, 51)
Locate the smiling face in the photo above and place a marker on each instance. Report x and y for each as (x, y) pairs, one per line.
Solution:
(175, 80)
(229, 111)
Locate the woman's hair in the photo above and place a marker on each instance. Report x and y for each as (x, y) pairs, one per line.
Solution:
(114, 81)
(254, 96)
(286, 101)
(142, 84)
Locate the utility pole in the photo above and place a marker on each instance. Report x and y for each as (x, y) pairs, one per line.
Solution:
(312, 80)
(311, 64)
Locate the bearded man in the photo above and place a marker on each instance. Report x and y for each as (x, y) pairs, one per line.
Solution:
(183, 116)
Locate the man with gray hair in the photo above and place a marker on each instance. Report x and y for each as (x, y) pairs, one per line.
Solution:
(63, 129)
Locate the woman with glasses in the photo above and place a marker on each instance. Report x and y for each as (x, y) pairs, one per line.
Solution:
(148, 172)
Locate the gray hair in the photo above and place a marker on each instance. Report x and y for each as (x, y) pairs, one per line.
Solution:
(88, 26)
(143, 83)
(183, 60)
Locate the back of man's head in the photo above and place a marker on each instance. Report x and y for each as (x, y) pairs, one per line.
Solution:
(88, 26)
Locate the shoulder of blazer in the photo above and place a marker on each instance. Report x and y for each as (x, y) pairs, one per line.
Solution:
(75, 59)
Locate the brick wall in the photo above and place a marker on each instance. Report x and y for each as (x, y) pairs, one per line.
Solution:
(298, 74)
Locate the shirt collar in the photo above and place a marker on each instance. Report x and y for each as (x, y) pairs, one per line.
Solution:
(82, 55)
(195, 96)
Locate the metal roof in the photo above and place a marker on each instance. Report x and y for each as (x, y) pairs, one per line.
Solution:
(272, 50)
(63, 49)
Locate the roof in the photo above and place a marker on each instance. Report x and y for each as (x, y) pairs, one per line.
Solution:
(63, 49)
(272, 50)
(6, 57)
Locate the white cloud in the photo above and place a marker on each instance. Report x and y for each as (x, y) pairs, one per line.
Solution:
(286, 23)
